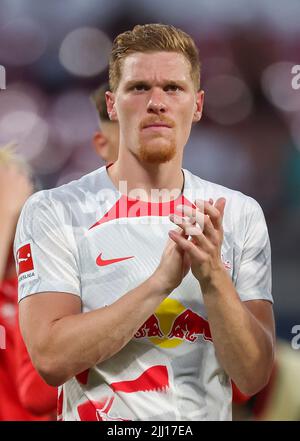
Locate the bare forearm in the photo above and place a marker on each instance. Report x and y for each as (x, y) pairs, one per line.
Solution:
(244, 348)
(77, 342)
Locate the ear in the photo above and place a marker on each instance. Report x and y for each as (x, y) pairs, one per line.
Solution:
(198, 106)
(110, 104)
(99, 142)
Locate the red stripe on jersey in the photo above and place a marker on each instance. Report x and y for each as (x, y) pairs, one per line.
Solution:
(155, 378)
(83, 377)
(126, 208)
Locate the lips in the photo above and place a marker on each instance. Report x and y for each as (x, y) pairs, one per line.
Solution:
(156, 126)
(159, 129)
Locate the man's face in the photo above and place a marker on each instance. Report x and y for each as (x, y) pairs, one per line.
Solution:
(155, 104)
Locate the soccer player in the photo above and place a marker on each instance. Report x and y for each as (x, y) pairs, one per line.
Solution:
(106, 138)
(131, 318)
(24, 395)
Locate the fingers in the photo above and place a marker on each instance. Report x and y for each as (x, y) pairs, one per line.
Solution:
(188, 246)
(179, 231)
(207, 216)
(215, 212)
(220, 205)
(188, 225)
(201, 222)
(196, 223)
(196, 232)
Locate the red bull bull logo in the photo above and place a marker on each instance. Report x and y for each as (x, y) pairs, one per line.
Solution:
(189, 326)
(150, 328)
(172, 323)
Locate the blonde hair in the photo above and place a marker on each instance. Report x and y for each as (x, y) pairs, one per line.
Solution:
(153, 38)
(8, 155)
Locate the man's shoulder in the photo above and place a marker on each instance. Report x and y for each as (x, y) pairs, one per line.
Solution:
(87, 184)
(207, 189)
(78, 189)
(72, 194)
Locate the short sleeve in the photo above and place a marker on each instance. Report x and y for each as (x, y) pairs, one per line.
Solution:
(44, 252)
(254, 277)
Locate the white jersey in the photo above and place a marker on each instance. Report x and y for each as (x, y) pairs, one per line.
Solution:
(88, 239)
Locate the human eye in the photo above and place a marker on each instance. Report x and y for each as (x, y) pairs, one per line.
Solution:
(172, 88)
(139, 87)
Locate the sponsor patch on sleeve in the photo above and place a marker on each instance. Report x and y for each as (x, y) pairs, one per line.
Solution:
(25, 263)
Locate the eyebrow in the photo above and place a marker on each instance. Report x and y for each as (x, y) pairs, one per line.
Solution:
(164, 83)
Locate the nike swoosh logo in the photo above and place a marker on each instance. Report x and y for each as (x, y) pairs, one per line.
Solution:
(105, 262)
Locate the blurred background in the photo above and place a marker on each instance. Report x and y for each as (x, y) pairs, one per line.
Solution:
(56, 53)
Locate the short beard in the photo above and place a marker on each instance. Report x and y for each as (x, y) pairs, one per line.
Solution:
(157, 155)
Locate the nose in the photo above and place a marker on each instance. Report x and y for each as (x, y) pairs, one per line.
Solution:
(156, 103)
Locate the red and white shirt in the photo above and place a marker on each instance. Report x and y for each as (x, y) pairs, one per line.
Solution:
(24, 395)
(88, 239)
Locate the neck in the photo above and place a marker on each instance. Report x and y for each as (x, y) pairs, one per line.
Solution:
(148, 177)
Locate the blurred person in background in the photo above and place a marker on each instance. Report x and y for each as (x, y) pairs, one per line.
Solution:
(95, 293)
(24, 395)
(279, 400)
(106, 139)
